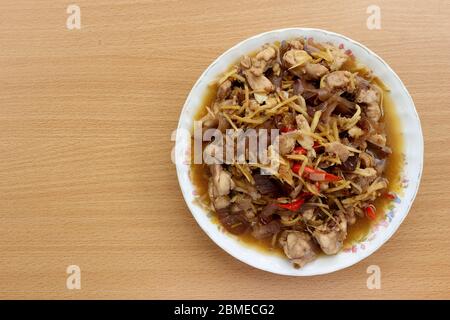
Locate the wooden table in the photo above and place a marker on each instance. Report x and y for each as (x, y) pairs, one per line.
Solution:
(85, 171)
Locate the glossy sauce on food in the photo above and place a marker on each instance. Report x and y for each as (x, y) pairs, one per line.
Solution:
(356, 232)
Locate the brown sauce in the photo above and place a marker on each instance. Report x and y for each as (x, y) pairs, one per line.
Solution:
(356, 232)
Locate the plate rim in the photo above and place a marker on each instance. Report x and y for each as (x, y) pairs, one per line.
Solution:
(367, 253)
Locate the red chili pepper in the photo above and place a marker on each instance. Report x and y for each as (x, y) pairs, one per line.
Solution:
(331, 177)
(314, 174)
(292, 206)
(370, 213)
(296, 167)
(300, 150)
(390, 195)
(311, 170)
(287, 129)
(319, 175)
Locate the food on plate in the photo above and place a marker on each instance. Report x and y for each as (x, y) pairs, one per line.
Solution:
(331, 148)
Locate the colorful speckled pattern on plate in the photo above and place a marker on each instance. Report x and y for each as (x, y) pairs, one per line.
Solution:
(384, 222)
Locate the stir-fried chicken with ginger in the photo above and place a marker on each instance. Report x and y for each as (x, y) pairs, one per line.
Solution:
(331, 147)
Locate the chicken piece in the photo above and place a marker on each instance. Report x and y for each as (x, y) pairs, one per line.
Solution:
(367, 95)
(295, 44)
(219, 202)
(213, 154)
(362, 82)
(260, 63)
(267, 54)
(338, 80)
(355, 132)
(371, 98)
(295, 58)
(331, 235)
(314, 71)
(339, 57)
(255, 67)
(299, 63)
(338, 149)
(222, 180)
(290, 44)
(286, 143)
(219, 186)
(223, 90)
(298, 246)
(258, 83)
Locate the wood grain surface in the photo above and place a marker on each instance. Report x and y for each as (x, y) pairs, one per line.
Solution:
(85, 171)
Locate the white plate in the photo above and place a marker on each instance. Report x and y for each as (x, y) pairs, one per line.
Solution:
(412, 170)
